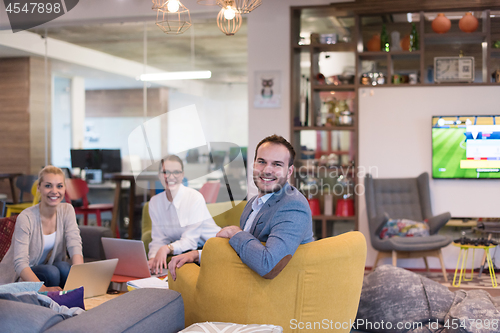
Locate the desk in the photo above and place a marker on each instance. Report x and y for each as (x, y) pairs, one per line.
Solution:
(11, 177)
(118, 178)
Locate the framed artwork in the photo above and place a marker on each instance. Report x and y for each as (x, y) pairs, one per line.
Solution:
(267, 89)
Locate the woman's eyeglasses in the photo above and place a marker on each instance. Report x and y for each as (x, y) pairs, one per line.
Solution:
(168, 173)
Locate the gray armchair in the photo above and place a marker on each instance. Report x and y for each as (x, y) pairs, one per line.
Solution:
(407, 198)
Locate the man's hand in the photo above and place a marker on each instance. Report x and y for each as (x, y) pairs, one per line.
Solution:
(159, 262)
(228, 231)
(180, 260)
(43, 288)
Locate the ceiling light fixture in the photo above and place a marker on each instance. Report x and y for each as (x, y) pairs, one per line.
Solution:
(229, 19)
(170, 76)
(208, 2)
(173, 17)
(157, 4)
(245, 6)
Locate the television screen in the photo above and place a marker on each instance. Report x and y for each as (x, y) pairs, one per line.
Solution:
(466, 147)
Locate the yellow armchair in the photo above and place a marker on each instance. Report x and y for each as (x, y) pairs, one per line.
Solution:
(320, 286)
(224, 214)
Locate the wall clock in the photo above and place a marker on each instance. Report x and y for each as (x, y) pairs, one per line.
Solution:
(453, 69)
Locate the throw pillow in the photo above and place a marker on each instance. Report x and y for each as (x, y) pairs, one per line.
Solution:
(210, 327)
(404, 228)
(7, 225)
(71, 298)
(19, 287)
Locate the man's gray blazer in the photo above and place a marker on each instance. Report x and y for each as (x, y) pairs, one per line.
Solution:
(283, 223)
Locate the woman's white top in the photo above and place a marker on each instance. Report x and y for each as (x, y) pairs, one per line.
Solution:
(48, 244)
(185, 222)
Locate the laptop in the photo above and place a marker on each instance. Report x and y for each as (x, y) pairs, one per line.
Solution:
(132, 263)
(93, 276)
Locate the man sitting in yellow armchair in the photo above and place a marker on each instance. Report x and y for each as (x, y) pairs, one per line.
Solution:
(279, 215)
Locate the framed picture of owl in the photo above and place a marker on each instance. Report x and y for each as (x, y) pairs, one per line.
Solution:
(267, 89)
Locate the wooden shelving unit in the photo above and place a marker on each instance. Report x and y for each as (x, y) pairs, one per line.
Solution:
(477, 44)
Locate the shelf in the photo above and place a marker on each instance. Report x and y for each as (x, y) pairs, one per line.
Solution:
(338, 47)
(332, 87)
(455, 37)
(380, 54)
(407, 85)
(324, 128)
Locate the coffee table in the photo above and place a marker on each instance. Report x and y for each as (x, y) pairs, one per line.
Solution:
(93, 302)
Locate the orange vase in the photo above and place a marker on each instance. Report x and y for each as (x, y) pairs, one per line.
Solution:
(405, 43)
(441, 24)
(468, 23)
(374, 43)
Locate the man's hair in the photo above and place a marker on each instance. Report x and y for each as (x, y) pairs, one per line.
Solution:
(279, 140)
(173, 158)
(50, 169)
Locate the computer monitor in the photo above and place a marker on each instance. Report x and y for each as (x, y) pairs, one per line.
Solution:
(111, 160)
(86, 158)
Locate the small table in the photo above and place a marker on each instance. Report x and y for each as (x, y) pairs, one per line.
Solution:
(464, 252)
(11, 177)
(93, 302)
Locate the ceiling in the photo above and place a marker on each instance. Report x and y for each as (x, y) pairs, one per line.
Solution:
(201, 47)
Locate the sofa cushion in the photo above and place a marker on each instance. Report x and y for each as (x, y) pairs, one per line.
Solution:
(20, 317)
(7, 225)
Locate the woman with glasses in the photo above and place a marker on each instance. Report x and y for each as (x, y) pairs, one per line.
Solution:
(180, 219)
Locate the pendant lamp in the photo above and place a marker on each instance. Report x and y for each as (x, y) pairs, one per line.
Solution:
(229, 19)
(173, 17)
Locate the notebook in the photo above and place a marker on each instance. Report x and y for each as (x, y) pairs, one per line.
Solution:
(93, 276)
(132, 263)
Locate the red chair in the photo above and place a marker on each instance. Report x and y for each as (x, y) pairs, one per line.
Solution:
(77, 189)
(210, 191)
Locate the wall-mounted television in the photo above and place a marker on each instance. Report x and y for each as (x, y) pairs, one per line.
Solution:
(466, 147)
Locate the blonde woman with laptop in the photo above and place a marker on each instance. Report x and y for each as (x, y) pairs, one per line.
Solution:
(179, 216)
(42, 236)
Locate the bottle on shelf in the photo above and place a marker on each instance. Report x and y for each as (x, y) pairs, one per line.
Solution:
(414, 40)
(384, 40)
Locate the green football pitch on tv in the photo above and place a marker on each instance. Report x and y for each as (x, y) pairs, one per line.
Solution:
(448, 149)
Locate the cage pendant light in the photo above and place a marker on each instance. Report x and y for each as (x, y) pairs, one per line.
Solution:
(208, 2)
(157, 4)
(229, 19)
(173, 17)
(246, 6)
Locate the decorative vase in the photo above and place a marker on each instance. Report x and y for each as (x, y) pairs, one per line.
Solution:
(405, 43)
(468, 23)
(374, 43)
(441, 24)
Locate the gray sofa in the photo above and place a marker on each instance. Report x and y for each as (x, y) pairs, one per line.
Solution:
(91, 242)
(141, 311)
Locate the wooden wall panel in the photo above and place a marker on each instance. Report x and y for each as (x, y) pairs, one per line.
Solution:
(22, 116)
(125, 102)
(14, 118)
